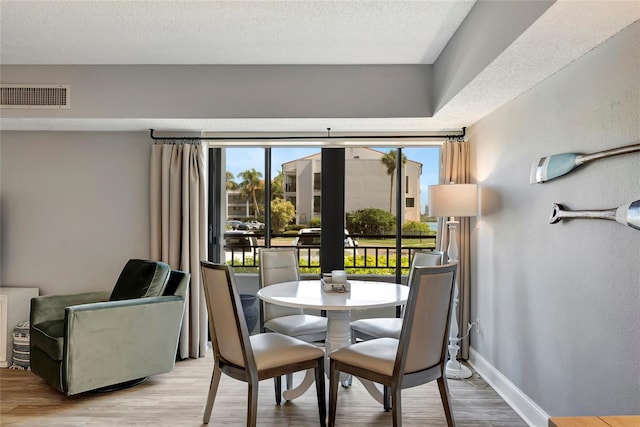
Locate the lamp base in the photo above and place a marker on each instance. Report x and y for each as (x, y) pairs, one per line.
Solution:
(457, 371)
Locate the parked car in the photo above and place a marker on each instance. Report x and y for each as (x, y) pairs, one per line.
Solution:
(240, 240)
(254, 225)
(311, 237)
(237, 225)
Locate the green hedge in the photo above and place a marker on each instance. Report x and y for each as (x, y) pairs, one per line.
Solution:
(314, 267)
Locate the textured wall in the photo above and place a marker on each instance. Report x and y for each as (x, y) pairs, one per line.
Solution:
(558, 304)
(75, 208)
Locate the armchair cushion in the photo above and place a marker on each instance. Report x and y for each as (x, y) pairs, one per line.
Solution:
(47, 320)
(49, 337)
(141, 279)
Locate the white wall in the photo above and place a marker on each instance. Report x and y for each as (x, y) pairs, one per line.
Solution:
(559, 305)
(1, 222)
(75, 208)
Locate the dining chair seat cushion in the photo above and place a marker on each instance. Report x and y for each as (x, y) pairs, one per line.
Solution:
(298, 325)
(272, 350)
(378, 355)
(383, 327)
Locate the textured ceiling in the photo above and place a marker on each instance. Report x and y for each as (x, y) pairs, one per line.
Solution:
(227, 32)
(297, 32)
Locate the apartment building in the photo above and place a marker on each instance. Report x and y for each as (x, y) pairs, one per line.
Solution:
(367, 184)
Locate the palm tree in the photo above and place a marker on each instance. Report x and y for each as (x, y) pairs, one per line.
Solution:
(389, 160)
(277, 186)
(250, 184)
(231, 184)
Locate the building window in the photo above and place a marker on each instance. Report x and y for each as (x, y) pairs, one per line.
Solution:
(406, 185)
(317, 181)
(317, 204)
(409, 202)
(289, 184)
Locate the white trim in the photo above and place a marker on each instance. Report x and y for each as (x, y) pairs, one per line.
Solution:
(526, 408)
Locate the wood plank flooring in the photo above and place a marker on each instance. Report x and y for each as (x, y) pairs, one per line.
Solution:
(177, 399)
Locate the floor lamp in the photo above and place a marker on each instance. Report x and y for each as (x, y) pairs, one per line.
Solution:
(454, 200)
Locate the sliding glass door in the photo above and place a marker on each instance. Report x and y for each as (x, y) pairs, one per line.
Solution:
(361, 208)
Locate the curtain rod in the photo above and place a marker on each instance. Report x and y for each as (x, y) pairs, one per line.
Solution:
(459, 135)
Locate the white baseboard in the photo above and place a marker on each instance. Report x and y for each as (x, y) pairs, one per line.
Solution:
(526, 408)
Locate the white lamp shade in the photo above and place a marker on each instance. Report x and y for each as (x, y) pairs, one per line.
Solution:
(453, 200)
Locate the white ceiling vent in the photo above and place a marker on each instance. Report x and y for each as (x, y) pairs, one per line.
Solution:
(34, 96)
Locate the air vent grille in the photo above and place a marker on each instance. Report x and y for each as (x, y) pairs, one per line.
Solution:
(34, 96)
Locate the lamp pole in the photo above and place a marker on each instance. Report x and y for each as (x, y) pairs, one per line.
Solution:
(454, 369)
(454, 200)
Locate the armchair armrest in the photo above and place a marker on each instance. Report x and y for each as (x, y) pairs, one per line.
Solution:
(52, 307)
(115, 341)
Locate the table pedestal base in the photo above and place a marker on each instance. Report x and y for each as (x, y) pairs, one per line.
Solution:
(338, 335)
(309, 378)
(307, 381)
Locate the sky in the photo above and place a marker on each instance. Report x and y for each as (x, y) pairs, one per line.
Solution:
(242, 159)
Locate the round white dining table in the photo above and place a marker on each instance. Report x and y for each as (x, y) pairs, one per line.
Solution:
(308, 294)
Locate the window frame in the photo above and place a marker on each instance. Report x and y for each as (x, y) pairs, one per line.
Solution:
(217, 215)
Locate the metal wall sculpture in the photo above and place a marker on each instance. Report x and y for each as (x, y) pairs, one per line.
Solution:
(551, 167)
(628, 214)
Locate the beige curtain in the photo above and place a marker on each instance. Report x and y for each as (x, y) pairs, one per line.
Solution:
(454, 167)
(178, 210)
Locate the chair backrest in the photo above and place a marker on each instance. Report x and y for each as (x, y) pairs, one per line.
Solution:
(278, 265)
(422, 259)
(425, 259)
(229, 333)
(425, 329)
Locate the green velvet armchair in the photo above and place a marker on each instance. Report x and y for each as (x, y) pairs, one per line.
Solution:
(100, 340)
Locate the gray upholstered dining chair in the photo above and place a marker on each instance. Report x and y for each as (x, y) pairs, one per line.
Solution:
(251, 358)
(417, 357)
(390, 327)
(381, 327)
(279, 265)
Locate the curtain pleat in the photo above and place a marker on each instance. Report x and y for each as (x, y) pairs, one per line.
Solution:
(178, 229)
(454, 167)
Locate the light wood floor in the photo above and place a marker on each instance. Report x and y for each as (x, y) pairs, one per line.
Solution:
(177, 399)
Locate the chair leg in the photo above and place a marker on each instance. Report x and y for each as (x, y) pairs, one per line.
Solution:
(277, 385)
(334, 381)
(386, 398)
(252, 404)
(444, 396)
(348, 382)
(322, 404)
(396, 406)
(213, 389)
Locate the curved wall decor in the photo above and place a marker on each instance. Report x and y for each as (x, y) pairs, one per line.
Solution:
(628, 214)
(551, 167)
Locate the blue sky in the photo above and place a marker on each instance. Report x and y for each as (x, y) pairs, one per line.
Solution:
(242, 159)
